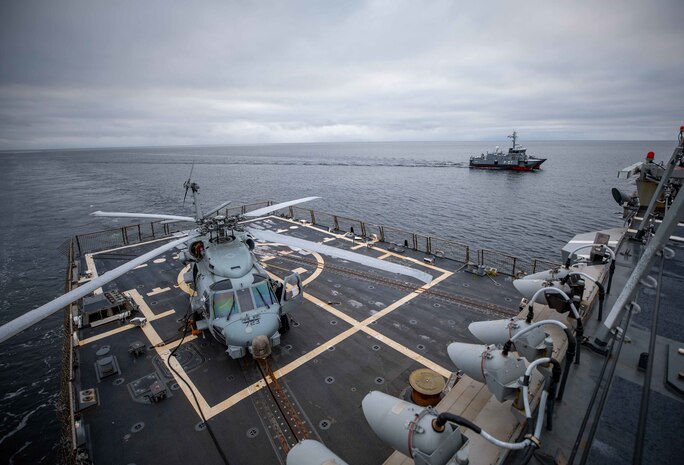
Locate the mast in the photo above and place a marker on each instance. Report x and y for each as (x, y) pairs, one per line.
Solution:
(514, 136)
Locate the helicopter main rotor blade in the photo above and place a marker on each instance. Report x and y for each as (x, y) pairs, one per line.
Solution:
(28, 319)
(214, 210)
(277, 206)
(270, 236)
(153, 216)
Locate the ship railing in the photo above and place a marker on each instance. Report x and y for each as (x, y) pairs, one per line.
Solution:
(65, 405)
(399, 239)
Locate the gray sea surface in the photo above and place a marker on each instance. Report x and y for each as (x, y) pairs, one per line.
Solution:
(423, 187)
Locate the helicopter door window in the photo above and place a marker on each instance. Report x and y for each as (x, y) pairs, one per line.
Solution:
(245, 300)
(224, 304)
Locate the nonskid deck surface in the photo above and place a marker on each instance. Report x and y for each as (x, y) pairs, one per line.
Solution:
(355, 330)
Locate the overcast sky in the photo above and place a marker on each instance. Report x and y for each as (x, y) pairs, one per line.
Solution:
(87, 73)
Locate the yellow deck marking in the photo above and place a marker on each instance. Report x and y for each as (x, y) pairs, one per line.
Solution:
(330, 309)
(382, 257)
(164, 355)
(407, 352)
(164, 351)
(93, 271)
(104, 335)
(356, 247)
(164, 314)
(182, 285)
(158, 290)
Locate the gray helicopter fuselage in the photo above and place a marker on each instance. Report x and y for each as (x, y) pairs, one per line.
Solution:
(234, 294)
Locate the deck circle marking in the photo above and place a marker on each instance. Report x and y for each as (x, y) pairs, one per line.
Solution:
(413, 322)
(379, 380)
(329, 380)
(201, 426)
(333, 322)
(420, 347)
(118, 381)
(466, 285)
(507, 299)
(371, 287)
(104, 350)
(324, 424)
(436, 305)
(137, 427)
(376, 347)
(331, 348)
(288, 347)
(175, 387)
(253, 432)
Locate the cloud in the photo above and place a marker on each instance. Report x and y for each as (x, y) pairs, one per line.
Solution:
(88, 73)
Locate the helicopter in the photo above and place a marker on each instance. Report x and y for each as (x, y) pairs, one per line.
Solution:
(234, 298)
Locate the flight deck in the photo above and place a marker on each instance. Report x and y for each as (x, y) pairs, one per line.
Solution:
(355, 330)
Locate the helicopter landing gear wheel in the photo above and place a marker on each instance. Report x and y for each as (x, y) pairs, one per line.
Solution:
(284, 324)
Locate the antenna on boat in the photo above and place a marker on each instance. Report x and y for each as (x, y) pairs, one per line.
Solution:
(514, 136)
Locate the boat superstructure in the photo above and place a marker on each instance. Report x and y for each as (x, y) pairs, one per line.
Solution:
(516, 159)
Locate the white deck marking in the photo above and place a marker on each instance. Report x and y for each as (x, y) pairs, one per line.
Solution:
(157, 290)
(140, 266)
(159, 260)
(300, 270)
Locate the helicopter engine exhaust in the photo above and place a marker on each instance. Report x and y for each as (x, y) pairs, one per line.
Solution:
(250, 243)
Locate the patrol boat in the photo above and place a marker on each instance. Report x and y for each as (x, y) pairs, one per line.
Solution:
(516, 159)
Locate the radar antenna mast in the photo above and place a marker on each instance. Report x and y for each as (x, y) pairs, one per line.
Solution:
(513, 136)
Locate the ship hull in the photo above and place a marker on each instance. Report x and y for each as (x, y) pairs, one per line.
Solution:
(529, 165)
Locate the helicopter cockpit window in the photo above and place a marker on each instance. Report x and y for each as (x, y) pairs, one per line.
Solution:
(224, 303)
(245, 300)
(262, 295)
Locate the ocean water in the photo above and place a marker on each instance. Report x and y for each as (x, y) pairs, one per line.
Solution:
(425, 187)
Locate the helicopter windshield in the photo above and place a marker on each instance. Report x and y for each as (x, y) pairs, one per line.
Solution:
(257, 296)
(224, 303)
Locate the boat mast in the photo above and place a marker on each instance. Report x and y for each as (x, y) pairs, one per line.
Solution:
(514, 136)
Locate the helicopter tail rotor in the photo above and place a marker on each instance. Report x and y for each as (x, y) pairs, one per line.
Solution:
(188, 183)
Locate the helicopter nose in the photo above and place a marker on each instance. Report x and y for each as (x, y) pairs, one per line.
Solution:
(261, 347)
